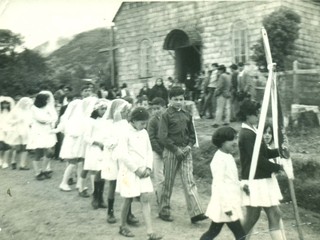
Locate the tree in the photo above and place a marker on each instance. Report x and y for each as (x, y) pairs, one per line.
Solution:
(9, 41)
(21, 70)
(282, 27)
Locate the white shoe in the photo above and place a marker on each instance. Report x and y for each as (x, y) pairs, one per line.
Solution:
(64, 187)
(5, 165)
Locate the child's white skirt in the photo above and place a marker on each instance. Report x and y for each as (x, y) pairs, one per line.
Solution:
(129, 185)
(110, 166)
(229, 199)
(93, 158)
(41, 138)
(263, 192)
(72, 147)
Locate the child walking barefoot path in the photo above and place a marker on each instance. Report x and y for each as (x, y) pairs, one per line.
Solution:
(38, 210)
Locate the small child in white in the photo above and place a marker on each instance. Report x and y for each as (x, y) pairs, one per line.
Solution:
(225, 202)
(134, 171)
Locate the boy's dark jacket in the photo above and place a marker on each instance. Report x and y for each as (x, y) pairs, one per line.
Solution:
(176, 129)
(153, 129)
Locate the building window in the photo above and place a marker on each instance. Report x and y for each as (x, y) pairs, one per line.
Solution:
(240, 42)
(145, 58)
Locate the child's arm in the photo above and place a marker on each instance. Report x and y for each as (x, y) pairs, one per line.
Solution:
(153, 127)
(247, 144)
(218, 168)
(192, 132)
(124, 156)
(149, 153)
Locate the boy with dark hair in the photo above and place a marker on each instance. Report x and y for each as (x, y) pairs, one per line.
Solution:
(177, 135)
(158, 106)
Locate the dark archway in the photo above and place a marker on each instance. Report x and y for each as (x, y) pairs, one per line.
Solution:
(187, 47)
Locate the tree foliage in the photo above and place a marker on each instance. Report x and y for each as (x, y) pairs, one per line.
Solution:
(282, 27)
(80, 58)
(22, 71)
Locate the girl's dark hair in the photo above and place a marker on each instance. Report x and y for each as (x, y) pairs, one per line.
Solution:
(94, 114)
(222, 135)
(176, 91)
(266, 126)
(248, 108)
(5, 102)
(139, 114)
(41, 100)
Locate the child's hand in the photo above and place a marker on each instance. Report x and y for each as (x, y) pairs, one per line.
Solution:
(98, 144)
(229, 213)
(140, 172)
(246, 189)
(147, 173)
(179, 154)
(186, 150)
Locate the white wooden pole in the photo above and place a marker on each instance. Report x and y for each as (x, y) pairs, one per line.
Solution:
(264, 107)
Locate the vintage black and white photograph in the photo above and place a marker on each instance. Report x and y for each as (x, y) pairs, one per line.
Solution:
(151, 120)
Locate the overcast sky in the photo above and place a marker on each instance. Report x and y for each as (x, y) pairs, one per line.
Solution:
(41, 20)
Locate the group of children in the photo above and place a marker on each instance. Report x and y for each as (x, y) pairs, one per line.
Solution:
(138, 154)
(229, 195)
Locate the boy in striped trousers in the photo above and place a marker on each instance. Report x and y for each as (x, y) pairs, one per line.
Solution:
(177, 134)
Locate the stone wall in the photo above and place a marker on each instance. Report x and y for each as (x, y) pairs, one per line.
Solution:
(212, 20)
(308, 44)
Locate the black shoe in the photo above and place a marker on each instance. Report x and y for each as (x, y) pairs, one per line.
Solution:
(102, 204)
(166, 218)
(40, 176)
(47, 174)
(84, 193)
(70, 181)
(132, 220)
(215, 125)
(95, 203)
(111, 218)
(198, 218)
(24, 168)
(13, 166)
(226, 124)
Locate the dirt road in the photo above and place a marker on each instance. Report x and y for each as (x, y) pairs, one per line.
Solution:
(39, 210)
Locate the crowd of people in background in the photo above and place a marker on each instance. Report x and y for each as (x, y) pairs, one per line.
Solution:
(216, 92)
(139, 144)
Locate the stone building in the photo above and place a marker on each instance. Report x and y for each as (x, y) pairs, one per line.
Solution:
(162, 39)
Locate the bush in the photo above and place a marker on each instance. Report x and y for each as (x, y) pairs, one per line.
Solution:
(282, 27)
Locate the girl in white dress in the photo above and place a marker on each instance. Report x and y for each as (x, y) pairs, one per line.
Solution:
(225, 203)
(41, 138)
(134, 171)
(6, 106)
(117, 125)
(95, 136)
(20, 122)
(73, 124)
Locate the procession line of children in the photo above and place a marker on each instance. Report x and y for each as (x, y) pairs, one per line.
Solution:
(109, 140)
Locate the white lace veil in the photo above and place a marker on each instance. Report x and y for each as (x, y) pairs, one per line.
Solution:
(115, 109)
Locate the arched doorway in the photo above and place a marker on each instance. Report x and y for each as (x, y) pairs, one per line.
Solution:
(187, 48)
